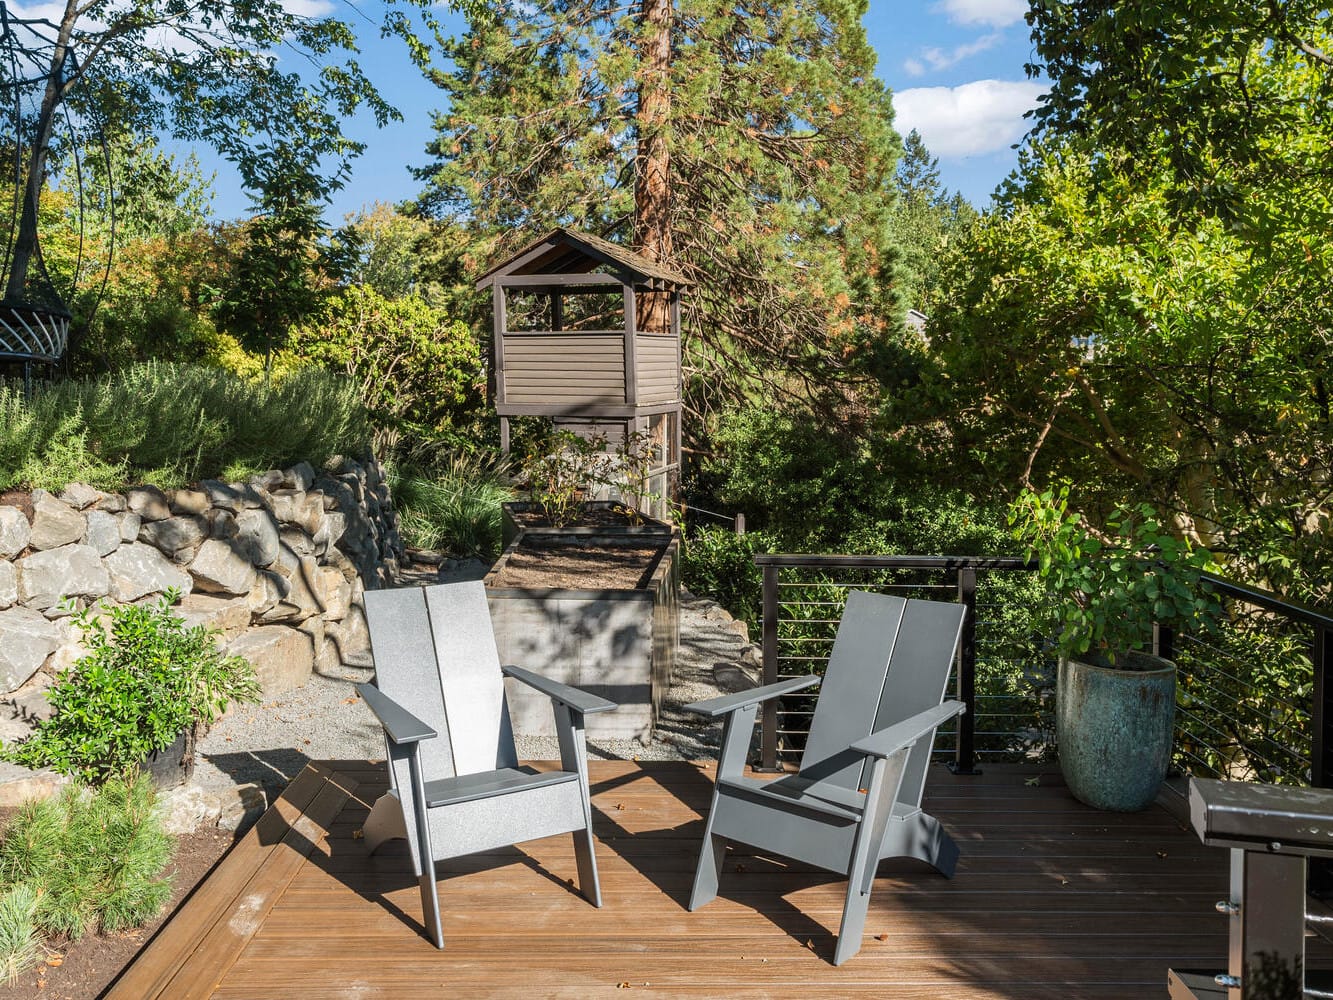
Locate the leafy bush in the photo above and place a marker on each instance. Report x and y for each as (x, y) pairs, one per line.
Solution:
(457, 510)
(172, 424)
(1110, 589)
(144, 680)
(718, 563)
(93, 860)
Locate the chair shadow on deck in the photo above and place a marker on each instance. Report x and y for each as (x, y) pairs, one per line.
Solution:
(692, 786)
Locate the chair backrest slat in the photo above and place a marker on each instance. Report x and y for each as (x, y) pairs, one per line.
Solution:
(406, 669)
(918, 676)
(849, 696)
(470, 678)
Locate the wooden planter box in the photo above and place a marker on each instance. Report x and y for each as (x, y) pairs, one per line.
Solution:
(617, 642)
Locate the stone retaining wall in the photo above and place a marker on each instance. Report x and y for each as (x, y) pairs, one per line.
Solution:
(278, 564)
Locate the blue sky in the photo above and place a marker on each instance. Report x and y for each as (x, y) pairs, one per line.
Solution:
(955, 68)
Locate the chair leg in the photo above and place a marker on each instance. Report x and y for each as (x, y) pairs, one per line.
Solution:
(711, 855)
(853, 920)
(430, 905)
(384, 823)
(574, 757)
(920, 836)
(425, 860)
(585, 855)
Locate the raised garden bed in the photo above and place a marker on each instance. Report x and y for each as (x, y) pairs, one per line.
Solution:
(592, 605)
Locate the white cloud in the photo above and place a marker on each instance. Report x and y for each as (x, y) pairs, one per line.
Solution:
(979, 117)
(996, 13)
(937, 59)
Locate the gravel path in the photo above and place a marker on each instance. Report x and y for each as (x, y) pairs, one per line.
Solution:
(269, 744)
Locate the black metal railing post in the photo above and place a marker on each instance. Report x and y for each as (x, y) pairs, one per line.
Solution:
(1163, 641)
(768, 729)
(1321, 736)
(965, 760)
(1320, 874)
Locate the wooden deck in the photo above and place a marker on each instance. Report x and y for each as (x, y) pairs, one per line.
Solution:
(1051, 899)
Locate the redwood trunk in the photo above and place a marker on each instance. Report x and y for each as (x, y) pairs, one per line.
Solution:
(652, 188)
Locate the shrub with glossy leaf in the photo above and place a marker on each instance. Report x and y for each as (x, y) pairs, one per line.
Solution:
(146, 678)
(94, 859)
(1111, 590)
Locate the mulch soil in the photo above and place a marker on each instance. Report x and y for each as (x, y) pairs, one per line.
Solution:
(579, 567)
(22, 499)
(593, 517)
(83, 969)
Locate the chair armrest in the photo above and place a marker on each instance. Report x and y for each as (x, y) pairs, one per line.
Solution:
(400, 725)
(580, 701)
(891, 739)
(730, 702)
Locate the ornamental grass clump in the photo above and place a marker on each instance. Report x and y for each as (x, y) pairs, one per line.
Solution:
(81, 862)
(146, 679)
(457, 510)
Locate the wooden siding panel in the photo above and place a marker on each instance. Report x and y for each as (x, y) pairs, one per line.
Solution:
(563, 369)
(658, 375)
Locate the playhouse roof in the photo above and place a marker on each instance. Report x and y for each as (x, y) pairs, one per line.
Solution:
(570, 252)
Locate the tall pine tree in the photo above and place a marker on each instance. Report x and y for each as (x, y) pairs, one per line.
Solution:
(759, 140)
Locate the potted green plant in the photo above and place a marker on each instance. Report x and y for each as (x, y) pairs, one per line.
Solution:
(1115, 700)
(136, 700)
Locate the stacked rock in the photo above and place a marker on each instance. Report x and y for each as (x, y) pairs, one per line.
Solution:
(277, 563)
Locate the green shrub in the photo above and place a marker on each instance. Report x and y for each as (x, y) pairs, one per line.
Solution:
(94, 860)
(718, 563)
(145, 679)
(172, 424)
(20, 944)
(457, 510)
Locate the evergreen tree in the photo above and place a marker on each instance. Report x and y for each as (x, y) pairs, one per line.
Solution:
(925, 216)
(781, 155)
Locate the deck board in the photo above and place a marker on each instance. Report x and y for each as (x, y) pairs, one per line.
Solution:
(1051, 899)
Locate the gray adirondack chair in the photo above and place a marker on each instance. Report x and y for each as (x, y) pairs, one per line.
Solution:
(456, 784)
(857, 796)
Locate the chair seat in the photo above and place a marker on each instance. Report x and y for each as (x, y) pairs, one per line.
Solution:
(831, 800)
(488, 784)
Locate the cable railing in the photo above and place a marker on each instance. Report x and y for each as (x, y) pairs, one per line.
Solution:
(1253, 700)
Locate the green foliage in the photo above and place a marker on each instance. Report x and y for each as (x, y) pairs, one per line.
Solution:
(172, 424)
(145, 679)
(1229, 100)
(418, 372)
(93, 860)
(1092, 332)
(281, 266)
(561, 469)
(456, 510)
(20, 944)
(718, 563)
(1110, 591)
(779, 136)
(925, 220)
(389, 246)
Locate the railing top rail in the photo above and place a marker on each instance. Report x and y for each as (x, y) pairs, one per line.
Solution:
(811, 561)
(1256, 596)
(1270, 601)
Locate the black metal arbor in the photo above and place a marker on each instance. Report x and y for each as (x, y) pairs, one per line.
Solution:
(45, 140)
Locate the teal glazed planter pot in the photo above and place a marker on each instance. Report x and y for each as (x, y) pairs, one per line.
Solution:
(1113, 728)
